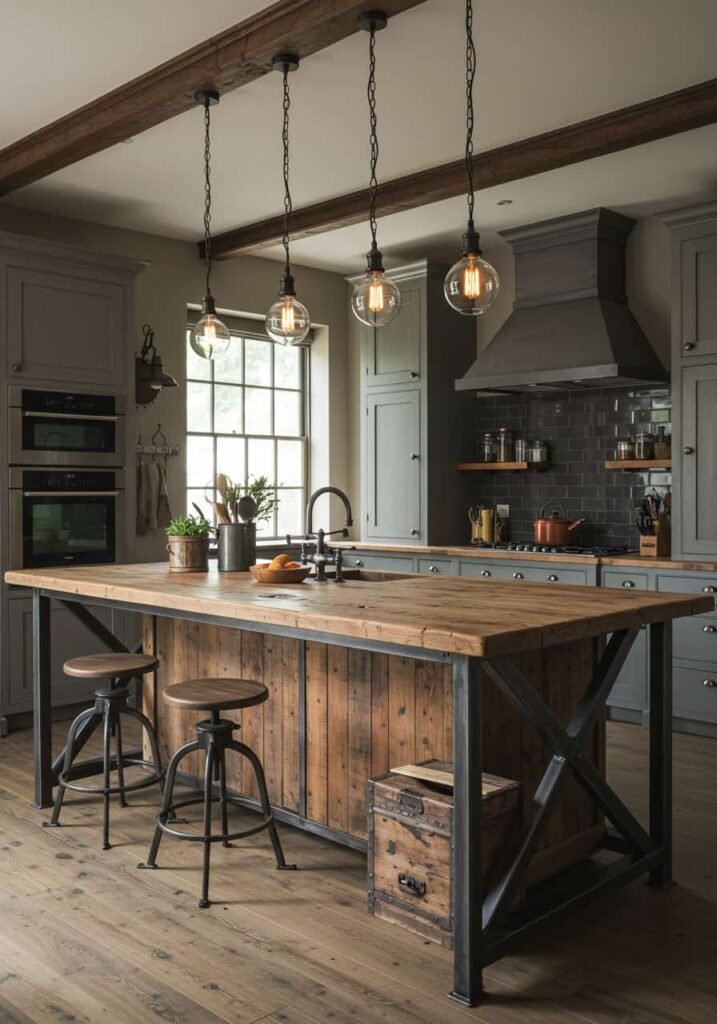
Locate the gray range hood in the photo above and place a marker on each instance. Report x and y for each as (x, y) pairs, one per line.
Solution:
(571, 326)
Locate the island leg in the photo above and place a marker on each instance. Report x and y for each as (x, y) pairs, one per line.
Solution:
(661, 749)
(468, 802)
(42, 701)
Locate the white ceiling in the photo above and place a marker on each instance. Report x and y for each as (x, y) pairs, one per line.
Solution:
(541, 64)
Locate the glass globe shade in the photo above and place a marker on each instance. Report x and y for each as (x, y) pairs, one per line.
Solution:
(288, 321)
(376, 300)
(209, 337)
(471, 285)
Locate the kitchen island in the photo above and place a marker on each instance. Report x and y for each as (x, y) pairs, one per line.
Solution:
(495, 661)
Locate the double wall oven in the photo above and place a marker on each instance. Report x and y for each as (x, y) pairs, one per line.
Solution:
(67, 484)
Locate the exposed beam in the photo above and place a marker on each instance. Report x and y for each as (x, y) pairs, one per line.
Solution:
(654, 119)
(232, 58)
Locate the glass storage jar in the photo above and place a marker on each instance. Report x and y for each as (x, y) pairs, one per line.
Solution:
(505, 445)
(488, 448)
(625, 450)
(644, 446)
(537, 451)
(521, 449)
(663, 444)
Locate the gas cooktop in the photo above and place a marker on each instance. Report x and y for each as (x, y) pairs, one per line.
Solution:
(591, 552)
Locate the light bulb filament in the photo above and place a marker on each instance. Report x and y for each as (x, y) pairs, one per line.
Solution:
(288, 317)
(376, 298)
(471, 280)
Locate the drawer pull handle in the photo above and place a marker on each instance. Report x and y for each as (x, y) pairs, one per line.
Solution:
(415, 532)
(414, 374)
(414, 456)
(411, 885)
(433, 568)
(628, 584)
(710, 683)
(359, 563)
(485, 572)
(709, 590)
(552, 578)
(518, 576)
(709, 629)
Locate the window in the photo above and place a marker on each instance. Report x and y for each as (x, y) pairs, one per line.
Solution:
(246, 418)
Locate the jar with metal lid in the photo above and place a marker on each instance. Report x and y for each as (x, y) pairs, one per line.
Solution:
(537, 451)
(644, 446)
(488, 448)
(521, 449)
(625, 450)
(505, 445)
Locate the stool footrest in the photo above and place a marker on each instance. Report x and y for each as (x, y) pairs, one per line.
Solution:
(215, 837)
(129, 787)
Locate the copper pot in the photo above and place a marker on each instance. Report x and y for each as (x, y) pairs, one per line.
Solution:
(553, 531)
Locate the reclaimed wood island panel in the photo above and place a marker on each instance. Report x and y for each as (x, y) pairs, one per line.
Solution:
(378, 671)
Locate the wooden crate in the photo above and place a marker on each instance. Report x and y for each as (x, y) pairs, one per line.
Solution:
(409, 856)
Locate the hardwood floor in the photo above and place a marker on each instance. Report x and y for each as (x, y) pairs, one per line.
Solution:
(85, 937)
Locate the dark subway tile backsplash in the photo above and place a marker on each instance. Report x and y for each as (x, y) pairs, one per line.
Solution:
(581, 431)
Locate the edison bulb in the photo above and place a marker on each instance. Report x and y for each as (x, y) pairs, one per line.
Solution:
(288, 321)
(471, 285)
(209, 337)
(376, 300)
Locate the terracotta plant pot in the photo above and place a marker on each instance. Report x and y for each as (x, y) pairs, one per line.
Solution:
(188, 554)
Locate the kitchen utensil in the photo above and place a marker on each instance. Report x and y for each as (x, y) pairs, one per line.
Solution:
(487, 525)
(247, 508)
(554, 531)
(222, 484)
(263, 574)
(474, 518)
(221, 512)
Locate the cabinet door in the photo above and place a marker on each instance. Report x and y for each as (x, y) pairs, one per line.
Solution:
(393, 352)
(393, 470)
(699, 296)
(630, 690)
(699, 461)
(69, 638)
(64, 327)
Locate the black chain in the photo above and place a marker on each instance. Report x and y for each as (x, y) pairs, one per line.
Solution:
(470, 78)
(207, 196)
(287, 194)
(373, 185)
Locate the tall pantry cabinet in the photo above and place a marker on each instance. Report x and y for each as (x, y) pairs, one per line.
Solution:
(415, 428)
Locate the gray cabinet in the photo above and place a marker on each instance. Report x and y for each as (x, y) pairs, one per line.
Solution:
(415, 428)
(698, 490)
(393, 458)
(698, 306)
(355, 558)
(631, 689)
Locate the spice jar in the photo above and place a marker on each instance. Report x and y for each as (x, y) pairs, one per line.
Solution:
(663, 444)
(625, 450)
(537, 451)
(488, 448)
(505, 445)
(521, 449)
(645, 446)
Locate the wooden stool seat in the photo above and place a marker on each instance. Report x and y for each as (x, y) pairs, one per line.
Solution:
(216, 694)
(109, 666)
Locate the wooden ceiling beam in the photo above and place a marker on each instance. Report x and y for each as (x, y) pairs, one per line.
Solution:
(226, 61)
(693, 107)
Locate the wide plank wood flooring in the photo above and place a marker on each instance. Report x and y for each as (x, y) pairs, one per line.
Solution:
(86, 938)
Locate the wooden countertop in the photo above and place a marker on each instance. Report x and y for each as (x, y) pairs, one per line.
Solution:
(456, 615)
(471, 551)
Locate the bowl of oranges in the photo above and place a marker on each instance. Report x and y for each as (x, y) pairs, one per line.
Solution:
(280, 570)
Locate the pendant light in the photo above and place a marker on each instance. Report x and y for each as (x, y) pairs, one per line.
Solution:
(471, 285)
(376, 300)
(288, 320)
(209, 337)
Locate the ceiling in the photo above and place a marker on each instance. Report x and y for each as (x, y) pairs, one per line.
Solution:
(541, 65)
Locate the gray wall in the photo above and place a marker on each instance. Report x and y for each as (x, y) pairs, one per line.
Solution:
(173, 278)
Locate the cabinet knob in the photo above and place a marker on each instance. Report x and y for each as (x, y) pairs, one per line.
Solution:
(709, 683)
(518, 576)
(552, 578)
(687, 450)
(359, 563)
(415, 532)
(688, 346)
(414, 373)
(485, 572)
(433, 568)
(709, 590)
(709, 629)
(414, 456)
(628, 584)
(16, 367)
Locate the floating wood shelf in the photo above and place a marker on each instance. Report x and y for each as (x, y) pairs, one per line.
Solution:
(638, 464)
(491, 467)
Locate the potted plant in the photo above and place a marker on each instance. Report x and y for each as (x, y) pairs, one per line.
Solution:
(188, 544)
(238, 512)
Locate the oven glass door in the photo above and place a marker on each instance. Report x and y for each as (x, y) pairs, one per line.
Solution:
(68, 529)
(59, 432)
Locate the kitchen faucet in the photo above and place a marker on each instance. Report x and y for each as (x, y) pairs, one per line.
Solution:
(319, 556)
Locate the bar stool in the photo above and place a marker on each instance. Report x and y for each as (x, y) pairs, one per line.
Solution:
(110, 704)
(214, 735)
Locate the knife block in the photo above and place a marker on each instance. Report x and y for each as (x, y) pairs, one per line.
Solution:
(658, 544)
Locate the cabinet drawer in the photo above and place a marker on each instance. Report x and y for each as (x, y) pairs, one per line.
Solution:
(688, 584)
(551, 574)
(438, 566)
(695, 693)
(485, 570)
(359, 560)
(696, 639)
(617, 578)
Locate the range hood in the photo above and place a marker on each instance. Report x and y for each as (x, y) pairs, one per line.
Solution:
(571, 326)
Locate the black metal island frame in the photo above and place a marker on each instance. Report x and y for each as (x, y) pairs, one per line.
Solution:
(482, 630)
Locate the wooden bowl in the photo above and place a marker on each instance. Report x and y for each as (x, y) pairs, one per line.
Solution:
(263, 574)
